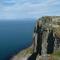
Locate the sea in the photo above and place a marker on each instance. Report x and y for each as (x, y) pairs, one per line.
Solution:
(15, 35)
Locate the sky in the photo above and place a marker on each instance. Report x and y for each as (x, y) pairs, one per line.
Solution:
(20, 9)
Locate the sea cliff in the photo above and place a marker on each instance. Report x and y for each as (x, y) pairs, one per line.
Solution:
(24, 54)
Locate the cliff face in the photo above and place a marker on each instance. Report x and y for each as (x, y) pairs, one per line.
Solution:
(52, 22)
(48, 22)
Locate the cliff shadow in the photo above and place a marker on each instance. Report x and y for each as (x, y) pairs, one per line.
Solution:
(33, 56)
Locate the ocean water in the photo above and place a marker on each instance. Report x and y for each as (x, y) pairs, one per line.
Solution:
(14, 36)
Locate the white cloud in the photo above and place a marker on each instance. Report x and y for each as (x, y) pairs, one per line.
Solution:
(27, 9)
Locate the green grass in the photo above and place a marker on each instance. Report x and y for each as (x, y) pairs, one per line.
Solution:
(25, 52)
(57, 53)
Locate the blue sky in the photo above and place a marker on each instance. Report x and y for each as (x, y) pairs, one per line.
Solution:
(20, 9)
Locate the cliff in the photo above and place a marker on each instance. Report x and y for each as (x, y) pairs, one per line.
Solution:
(52, 22)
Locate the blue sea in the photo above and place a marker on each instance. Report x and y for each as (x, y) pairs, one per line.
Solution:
(15, 35)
